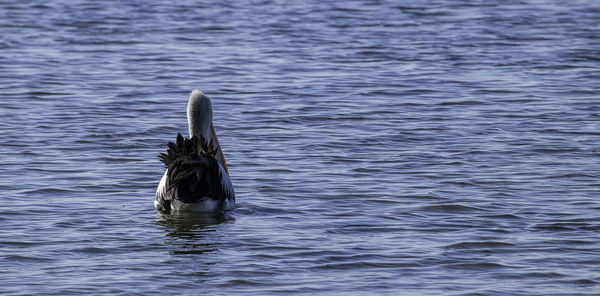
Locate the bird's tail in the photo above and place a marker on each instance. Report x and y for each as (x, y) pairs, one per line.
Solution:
(193, 170)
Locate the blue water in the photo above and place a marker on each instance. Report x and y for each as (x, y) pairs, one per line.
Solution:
(376, 147)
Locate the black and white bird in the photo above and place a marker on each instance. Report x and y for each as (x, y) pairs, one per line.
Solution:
(196, 178)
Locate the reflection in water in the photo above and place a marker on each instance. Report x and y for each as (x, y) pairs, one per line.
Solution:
(191, 233)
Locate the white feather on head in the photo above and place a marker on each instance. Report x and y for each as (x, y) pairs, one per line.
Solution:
(199, 114)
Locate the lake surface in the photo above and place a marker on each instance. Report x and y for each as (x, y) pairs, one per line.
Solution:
(376, 147)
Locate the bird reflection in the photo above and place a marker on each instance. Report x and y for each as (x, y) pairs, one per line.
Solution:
(191, 233)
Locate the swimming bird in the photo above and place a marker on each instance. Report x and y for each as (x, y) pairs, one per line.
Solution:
(196, 178)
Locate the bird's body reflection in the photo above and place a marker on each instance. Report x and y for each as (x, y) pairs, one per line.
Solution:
(191, 233)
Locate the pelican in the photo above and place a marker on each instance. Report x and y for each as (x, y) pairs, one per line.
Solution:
(196, 178)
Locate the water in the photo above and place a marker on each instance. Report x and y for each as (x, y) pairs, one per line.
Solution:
(376, 147)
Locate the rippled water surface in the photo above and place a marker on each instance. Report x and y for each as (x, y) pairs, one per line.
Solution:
(376, 147)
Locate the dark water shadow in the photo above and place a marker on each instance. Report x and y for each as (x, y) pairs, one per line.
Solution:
(191, 233)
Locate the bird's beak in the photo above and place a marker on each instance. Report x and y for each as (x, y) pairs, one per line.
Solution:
(220, 156)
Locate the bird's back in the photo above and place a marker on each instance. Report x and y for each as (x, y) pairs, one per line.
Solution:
(194, 180)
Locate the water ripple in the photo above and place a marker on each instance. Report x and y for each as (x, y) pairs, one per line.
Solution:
(376, 147)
